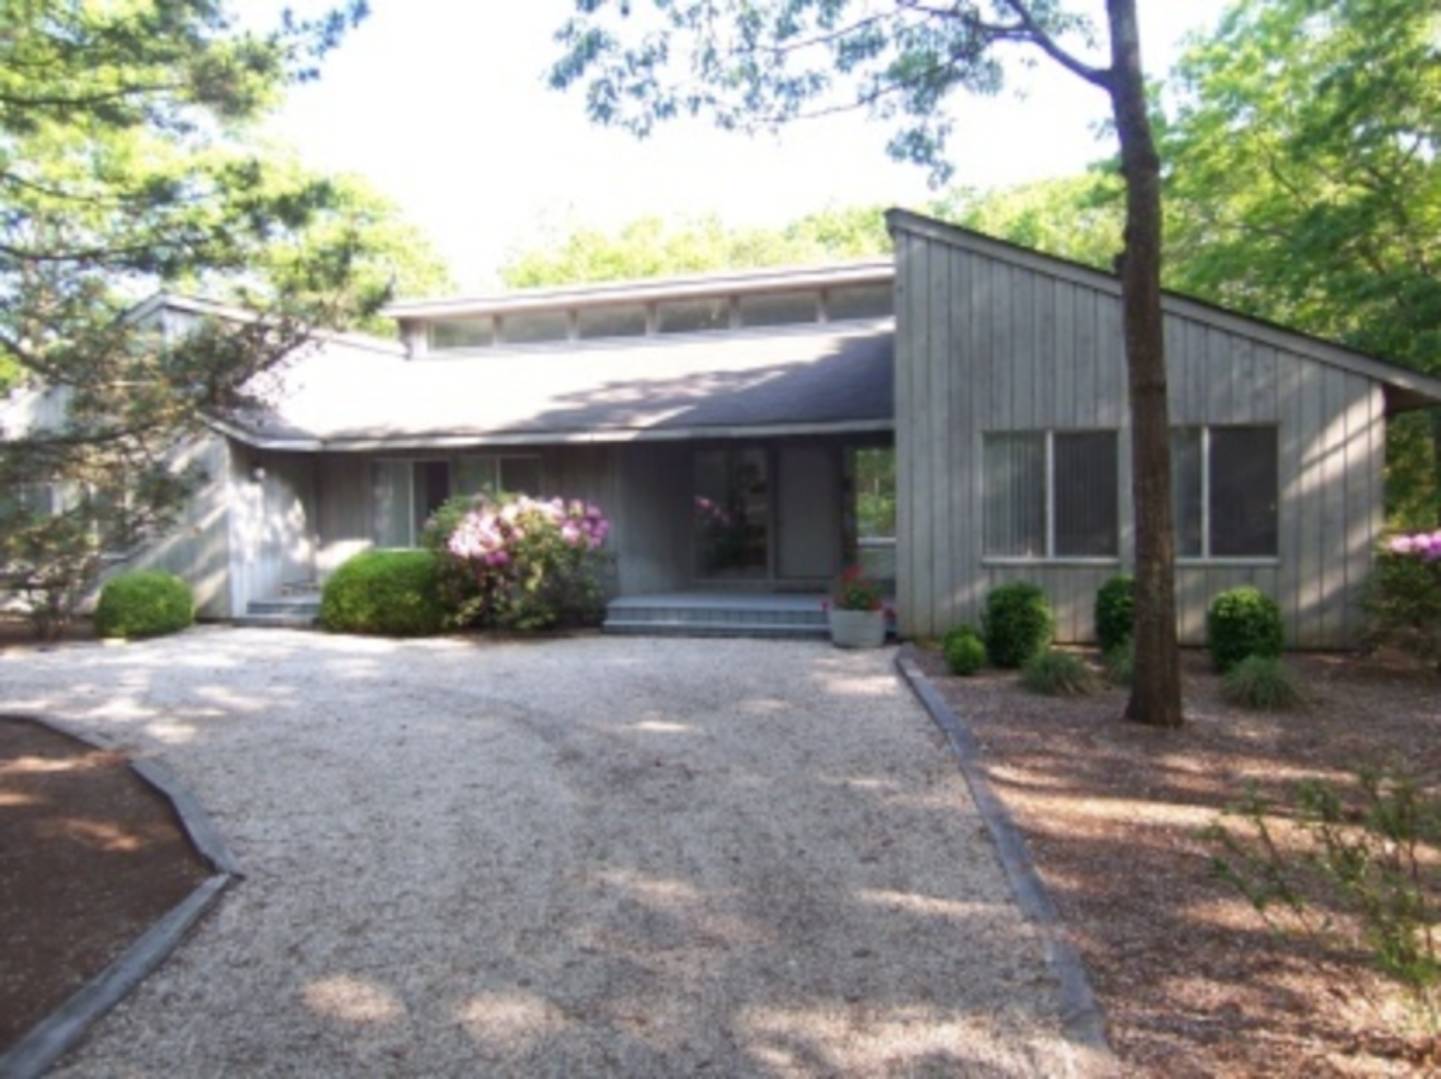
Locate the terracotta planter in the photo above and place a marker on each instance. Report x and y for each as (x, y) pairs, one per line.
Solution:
(858, 629)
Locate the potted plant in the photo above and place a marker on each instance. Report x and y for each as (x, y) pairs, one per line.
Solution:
(857, 614)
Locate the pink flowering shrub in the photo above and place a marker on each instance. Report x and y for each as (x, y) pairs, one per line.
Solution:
(1404, 596)
(520, 563)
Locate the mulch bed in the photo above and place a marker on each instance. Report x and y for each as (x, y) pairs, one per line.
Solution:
(90, 856)
(1191, 980)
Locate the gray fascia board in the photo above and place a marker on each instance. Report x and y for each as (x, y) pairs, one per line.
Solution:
(544, 438)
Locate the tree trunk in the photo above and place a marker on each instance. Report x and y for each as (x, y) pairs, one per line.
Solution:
(1156, 686)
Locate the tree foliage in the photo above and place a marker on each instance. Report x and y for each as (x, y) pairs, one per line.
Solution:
(653, 247)
(1304, 185)
(127, 164)
(1074, 217)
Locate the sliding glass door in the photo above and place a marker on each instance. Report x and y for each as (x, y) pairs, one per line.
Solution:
(407, 492)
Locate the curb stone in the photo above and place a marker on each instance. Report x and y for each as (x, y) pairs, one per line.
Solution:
(48, 1040)
(1082, 1019)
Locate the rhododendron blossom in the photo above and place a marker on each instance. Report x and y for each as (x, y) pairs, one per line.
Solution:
(1423, 545)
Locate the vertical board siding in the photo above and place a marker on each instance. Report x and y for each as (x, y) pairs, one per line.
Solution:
(984, 344)
(939, 405)
(905, 351)
(197, 548)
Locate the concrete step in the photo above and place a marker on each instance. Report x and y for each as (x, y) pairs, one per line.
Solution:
(308, 606)
(650, 627)
(718, 617)
(275, 621)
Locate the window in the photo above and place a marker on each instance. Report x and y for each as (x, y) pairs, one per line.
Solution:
(779, 308)
(490, 473)
(688, 316)
(859, 301)
(1085, 496)
(407, 492)
(874, 484)
(462, 333)
(534, 327)
(1186, 491)
(1050, 494)
(1015, 494)
(613, 321)
(1225, 491)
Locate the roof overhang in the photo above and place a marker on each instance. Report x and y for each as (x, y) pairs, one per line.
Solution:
(820, 380)
(546, 438)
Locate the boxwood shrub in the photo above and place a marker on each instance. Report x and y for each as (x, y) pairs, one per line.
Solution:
(391, 593)
(1017, 623)
(1243, 622)
(964, 650)
(1115, 611)
(144, 603)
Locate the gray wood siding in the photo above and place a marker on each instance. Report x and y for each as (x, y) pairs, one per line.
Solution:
(985, 345)
(272, 523)
(198, 547)
(644, 489)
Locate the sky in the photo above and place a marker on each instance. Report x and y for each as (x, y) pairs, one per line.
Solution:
(443, 106)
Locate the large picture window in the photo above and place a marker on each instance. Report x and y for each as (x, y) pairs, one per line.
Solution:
(1050, 494)
(1225, 491)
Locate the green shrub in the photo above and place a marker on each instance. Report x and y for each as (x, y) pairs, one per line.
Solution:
(1263, 683)
(1017, 623)
(1120, 663)
(1403, 604)
(1243, 622)
(393, 593)
(964, 650)
(144, 603)
(1115, 611)
(1058, 674)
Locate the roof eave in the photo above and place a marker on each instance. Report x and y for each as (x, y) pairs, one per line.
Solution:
(603, 436)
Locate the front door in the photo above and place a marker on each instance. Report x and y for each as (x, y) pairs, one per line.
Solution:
(732, 514)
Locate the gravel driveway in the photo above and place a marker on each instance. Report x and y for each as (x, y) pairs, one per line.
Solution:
(596, 855)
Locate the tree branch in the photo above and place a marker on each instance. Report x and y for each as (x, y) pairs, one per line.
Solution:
(1036, 34)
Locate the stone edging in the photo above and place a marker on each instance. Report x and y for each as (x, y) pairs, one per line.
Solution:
(1082, 1019)
(53, 1036)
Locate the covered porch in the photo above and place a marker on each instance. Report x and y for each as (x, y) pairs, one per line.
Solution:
(748, 463)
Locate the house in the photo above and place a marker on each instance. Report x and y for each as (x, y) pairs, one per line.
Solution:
(952, 418)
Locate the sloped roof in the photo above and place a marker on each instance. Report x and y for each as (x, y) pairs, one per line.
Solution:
(1406, 387)
(825, 377)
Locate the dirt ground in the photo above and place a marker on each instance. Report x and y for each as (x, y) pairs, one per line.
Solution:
(89, 858)
(1191, 980)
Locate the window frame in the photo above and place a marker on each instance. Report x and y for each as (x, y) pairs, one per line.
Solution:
(452, 462)
(1206, 558)
(1051, 558)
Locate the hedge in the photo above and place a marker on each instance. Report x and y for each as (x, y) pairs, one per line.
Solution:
(391, 593)
(144, 603)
